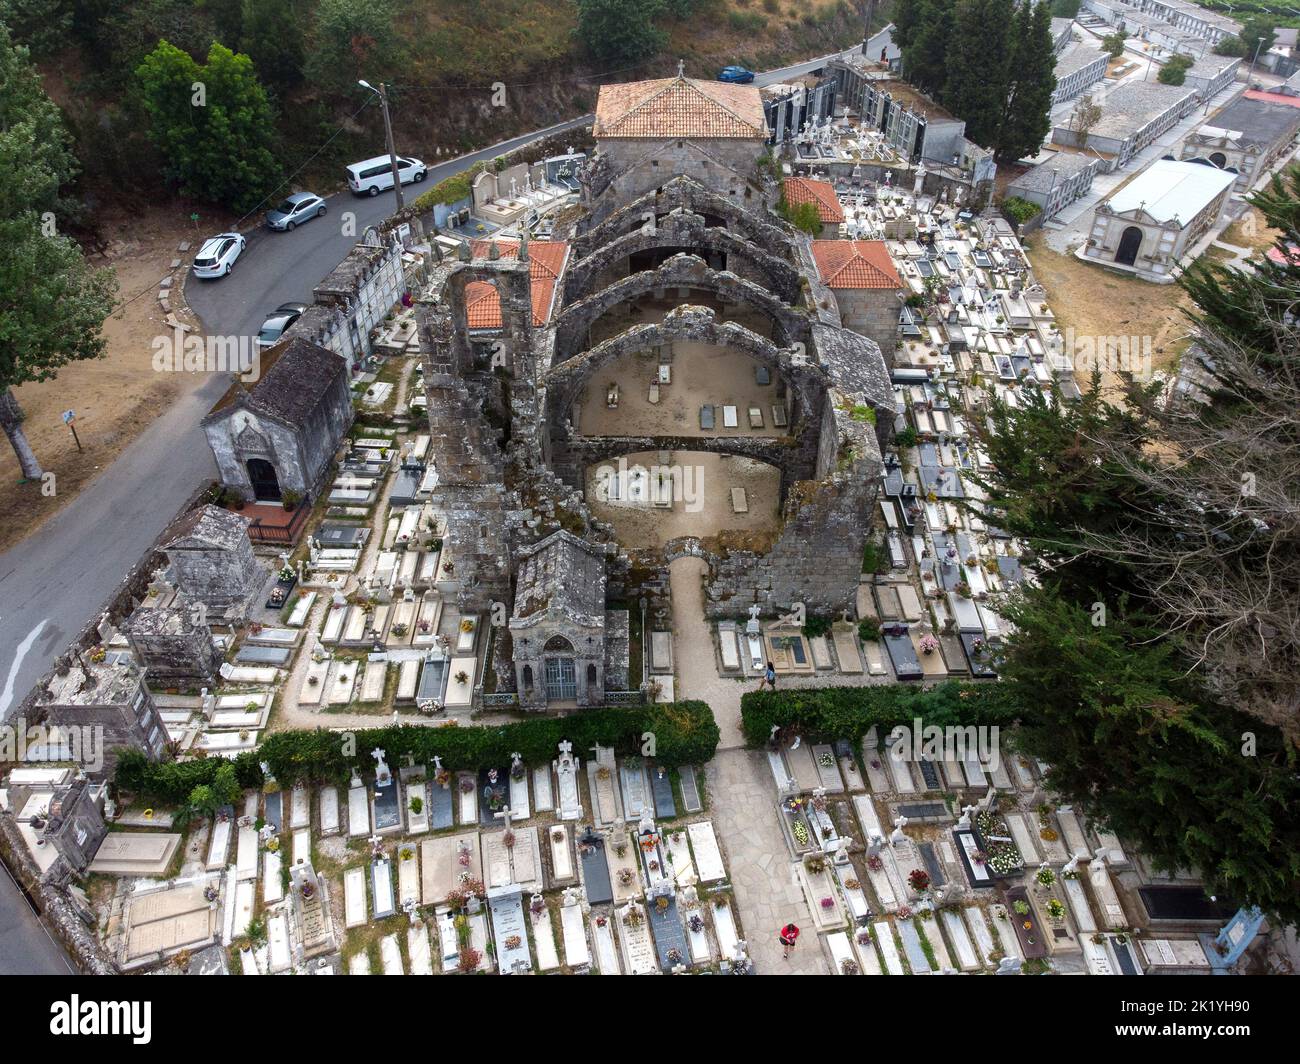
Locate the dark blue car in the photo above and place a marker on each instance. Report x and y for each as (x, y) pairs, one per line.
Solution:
(737, 75)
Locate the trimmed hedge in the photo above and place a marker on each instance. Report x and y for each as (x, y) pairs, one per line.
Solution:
(829, 713)
(685, 733)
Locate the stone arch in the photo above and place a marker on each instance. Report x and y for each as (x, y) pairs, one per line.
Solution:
(686, 231)
(680, 271)
(684, 193)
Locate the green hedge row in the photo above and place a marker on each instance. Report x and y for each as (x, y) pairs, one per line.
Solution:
(675, 733)
(829, 713)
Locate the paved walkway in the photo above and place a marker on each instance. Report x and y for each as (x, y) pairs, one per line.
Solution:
(743, 805)
(697, 670)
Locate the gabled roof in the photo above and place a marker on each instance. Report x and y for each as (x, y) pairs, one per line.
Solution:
(855, 264)
(799, 190)
(546, 259)
(1169, 190)
(207, 526)
(562, 574)
(680, 107)
(293, 377)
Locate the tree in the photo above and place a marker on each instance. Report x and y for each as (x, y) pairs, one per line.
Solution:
(804, 216)
(52, 305)
(1233, 47)
(211, 123)
(1129, 736)
(1257, 37)
(1086, 114)
(1032, 80)
(42, 25)
(276, 51)
(978, 66)
(1174, 72)
(1065, 8)
(353, 39)
(925, 63)
(1113, 43)
(620, 31)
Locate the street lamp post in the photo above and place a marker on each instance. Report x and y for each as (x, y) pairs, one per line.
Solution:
(382, 93)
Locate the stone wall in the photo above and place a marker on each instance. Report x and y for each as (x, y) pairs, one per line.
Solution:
(873, 312)
(682, 230)
(573, 326)
(729, 166)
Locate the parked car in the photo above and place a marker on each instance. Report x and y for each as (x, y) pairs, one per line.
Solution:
(218, 254)
(277, 322)
(298, 208)
(374, 175)
(737, 75)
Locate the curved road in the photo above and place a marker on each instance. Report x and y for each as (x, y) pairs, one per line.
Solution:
(52, 583)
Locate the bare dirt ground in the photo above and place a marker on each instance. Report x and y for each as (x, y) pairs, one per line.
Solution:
(701, 373)
(115, 397)
(1250, 231)
(1098, 303)
(701, 498)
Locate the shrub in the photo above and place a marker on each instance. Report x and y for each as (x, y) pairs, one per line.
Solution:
(1019, 210)
(684, 733)
(830, 713)
(868, 629)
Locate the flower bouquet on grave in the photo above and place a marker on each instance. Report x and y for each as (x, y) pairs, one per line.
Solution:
(719, 901)
(819, 802)
(904, 912)
(512, 942)
(517, 771)
(466, 785)
(827, 760)
(800, 832)
(601, 921)
(874, 862)
(653, 866)
(673, 956)
(1045, 877)
(848, 966)
(602, 773)
(620, 848)
(1055, 910)
(625, 876)
(828, 903)
(538, 905)
(918, 879)
(557, 836)
(633, 918)
(442, 777)
(928, 644)
(696, 923)
(508, 839)
(864, 936)
(852, 884)
(661, 904)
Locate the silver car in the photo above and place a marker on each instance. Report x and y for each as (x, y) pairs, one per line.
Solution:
(298, 208)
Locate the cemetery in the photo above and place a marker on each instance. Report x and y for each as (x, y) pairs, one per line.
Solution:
(463, 710)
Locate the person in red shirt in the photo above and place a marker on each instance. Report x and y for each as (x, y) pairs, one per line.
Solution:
(789, 936)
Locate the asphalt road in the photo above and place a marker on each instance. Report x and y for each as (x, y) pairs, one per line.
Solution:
(26, 948)
(52, 583)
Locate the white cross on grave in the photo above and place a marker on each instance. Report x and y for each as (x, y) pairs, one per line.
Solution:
(966, 811)
(504, 816)
(382, 775)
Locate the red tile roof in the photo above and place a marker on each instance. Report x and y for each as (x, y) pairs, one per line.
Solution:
(821, 193)
(545, 264)
(855, 264)
(1272, 97)
(680, 107)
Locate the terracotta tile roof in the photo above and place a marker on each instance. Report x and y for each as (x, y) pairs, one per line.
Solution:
(855, 264)
(545, 264)
(821, 193)
(680, 107)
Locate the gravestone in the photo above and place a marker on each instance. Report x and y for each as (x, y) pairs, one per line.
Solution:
(690, 789)
(595, 869)
(661, 785)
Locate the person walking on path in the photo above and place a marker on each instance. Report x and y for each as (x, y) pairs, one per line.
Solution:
(789, 937)
(769, 677)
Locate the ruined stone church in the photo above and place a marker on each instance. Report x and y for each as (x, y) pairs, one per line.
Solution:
(546, 360)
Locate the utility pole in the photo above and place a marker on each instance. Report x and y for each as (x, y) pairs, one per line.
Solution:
(866, 27)
(382, 93)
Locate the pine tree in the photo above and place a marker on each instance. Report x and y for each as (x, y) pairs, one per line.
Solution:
(978, 66)
(1032, 81)
(926, 67)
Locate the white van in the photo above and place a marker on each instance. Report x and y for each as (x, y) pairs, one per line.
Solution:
(374, 175)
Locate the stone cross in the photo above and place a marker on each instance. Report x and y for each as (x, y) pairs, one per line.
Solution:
(842, 850)
(897, 835)
(515, 761)
(377, 846)
(1072, 865)
(382, 776)
(1099, 858)
(504, 816)
(437, 764)
(990, 796)
(566, 752)
(966, 811)
(874, 841)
